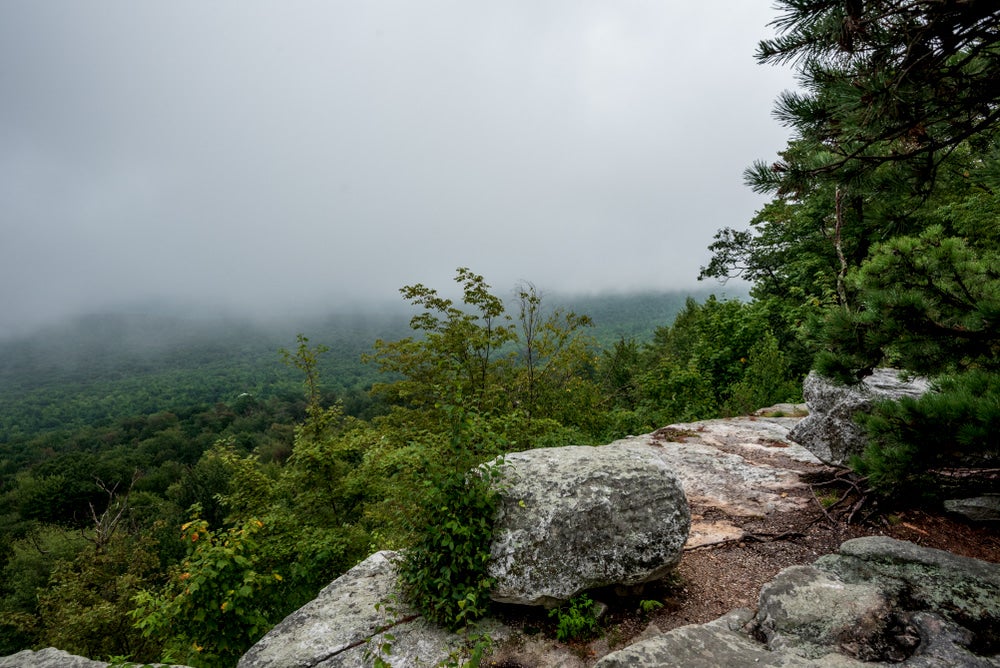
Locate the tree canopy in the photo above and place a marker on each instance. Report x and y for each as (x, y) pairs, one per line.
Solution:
(885, 83)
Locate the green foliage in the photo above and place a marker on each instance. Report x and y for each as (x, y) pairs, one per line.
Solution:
(443, 575)
(884, 84)
(458, 354)
(931, 305)
(649, 606)
(551, 355)
(577, 620)
(718, 357)
(245, 484)
(619, 370)
(827, 499)
(766, 379)
(306, 360)
(957, 426)
(476, 359)
(29, 565)
(787, 253)
(85, 607)
(218, 601)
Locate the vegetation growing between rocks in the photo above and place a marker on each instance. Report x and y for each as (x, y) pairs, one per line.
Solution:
(933, 445)
(576, 620)
(443, 573)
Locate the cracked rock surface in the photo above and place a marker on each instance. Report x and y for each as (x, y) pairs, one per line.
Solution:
(348, 621)
(878, 601)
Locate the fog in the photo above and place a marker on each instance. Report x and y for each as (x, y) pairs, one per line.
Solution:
(274, 157)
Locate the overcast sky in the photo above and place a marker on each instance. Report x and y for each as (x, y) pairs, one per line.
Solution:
(264, 154)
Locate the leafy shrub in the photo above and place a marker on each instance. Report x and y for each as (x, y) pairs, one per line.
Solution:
(444, 574)
(84, 609)
(649, 606)
(577, 620)
(219, 600)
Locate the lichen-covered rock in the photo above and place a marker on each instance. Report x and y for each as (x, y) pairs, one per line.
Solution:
(829, 431)
(965, 591)
(48, 658)
(345, 625)
(343, 616)
(877, 601)
(812, 613)
(718, 643)
(579, 517)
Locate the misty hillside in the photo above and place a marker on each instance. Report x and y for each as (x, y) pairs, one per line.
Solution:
(95, 368)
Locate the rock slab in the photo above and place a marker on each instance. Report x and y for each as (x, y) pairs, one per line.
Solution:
(984, 508)
(345, 625)
(49, 657)
(579, 517)
(829, 431)
(878, 601)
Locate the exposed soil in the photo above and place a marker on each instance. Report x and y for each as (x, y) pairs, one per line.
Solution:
(715, 579)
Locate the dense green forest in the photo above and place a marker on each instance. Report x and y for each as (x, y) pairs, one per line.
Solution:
(174, 500)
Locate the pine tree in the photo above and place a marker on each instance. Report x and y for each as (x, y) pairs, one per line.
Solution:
(886, 83)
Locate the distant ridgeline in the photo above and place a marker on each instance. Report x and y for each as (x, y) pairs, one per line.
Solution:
(96, 368)
(161, 380)
(636, 316)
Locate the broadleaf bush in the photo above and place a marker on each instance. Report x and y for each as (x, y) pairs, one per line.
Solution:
(577, 620)
(443, 574)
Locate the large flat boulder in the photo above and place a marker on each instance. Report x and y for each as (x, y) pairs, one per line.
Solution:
(830, 431)
(578, 517)
(733, 469)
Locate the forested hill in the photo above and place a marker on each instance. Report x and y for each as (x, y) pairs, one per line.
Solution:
(97, 368)
(94, 369)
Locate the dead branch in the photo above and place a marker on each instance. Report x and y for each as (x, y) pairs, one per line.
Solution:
(107, 523)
